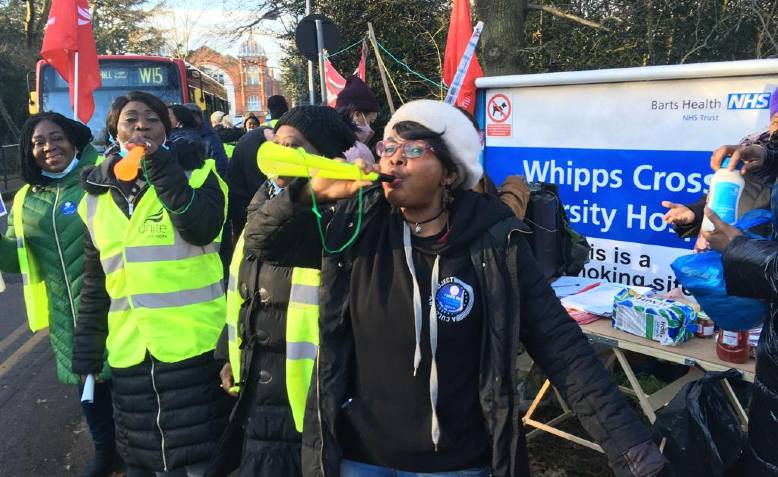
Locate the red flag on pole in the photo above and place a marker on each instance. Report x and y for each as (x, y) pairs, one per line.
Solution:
(360, 71)
(334, 81)
(459, 32)
(69, 47)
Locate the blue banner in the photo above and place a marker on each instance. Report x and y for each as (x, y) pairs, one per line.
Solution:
(608, 193)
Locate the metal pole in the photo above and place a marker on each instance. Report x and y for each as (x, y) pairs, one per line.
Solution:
(320, 47)
(311, 93)
(75, 87)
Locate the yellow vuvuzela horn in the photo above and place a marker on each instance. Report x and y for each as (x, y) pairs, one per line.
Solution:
(275, 160)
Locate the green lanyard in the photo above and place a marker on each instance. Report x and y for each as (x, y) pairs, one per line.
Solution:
(354, 236)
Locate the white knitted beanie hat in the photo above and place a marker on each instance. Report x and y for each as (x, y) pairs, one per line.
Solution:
(455, 129)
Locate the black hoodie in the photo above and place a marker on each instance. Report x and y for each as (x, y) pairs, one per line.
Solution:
(389, 417)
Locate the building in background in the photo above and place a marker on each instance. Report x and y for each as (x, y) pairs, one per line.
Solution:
(247, 78)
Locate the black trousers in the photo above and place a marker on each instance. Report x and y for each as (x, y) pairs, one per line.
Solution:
(99, 417)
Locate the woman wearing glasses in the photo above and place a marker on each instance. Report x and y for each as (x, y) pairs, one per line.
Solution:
(423, 317)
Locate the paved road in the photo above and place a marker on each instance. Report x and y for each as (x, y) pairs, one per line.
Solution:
(43, 429)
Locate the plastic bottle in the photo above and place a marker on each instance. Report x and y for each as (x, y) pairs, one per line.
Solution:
(732, 346)
(726, 187)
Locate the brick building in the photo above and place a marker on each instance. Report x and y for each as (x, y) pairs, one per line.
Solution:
(247, 78)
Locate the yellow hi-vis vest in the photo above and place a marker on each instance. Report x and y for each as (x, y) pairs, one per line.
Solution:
(302, 331)
(36, 300)
(166, 294)
(229, 149)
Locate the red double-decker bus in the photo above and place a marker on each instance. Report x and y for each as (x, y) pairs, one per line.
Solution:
(172, 80)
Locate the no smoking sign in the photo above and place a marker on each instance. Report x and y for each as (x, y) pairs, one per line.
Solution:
(498, 112)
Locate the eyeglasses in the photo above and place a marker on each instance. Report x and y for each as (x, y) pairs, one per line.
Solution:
(410, 150)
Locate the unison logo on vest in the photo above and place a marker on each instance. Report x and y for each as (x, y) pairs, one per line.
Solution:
(748, 100)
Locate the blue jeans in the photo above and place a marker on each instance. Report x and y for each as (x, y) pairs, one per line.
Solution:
(350, 468)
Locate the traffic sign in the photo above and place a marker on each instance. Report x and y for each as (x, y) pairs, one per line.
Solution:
(305, 36)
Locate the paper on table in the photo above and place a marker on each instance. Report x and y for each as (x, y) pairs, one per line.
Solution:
(599, 300)
(89, 389)
(565, 286)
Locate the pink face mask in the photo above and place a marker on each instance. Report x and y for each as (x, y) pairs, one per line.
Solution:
(364, 132)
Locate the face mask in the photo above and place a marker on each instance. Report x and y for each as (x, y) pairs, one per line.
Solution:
(275, 188)
(59, 175)
(364, 132)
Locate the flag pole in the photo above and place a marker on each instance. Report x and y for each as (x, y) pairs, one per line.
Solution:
(464, 64)
(75, 89)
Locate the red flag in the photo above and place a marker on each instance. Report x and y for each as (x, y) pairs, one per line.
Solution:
(459, 32)
(69, 31)
(334, 82)
(360, 71)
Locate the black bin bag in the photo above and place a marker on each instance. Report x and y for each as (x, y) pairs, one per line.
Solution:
(703, 432)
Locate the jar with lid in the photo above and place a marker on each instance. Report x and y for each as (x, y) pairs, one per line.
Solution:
(705, 326)
(732, 346)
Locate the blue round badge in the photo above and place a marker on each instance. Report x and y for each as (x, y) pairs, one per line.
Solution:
(68, 208)
(453, 300)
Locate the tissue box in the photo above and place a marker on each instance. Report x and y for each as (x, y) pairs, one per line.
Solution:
(660, 319)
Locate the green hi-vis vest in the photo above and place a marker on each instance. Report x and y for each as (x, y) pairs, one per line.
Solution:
(229, 149)
(271, 123)
(36, 299)
(166, 294)
(302, 331)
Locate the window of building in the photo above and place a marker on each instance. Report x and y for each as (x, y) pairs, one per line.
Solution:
(253, 103)
(214, 73)
(252, 76)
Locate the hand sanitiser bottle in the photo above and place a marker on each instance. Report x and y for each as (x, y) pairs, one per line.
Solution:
(726, 187)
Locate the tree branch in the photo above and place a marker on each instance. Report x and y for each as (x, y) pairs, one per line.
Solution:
(567, 16)
(765, 28)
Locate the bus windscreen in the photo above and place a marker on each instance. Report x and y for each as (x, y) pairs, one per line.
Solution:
(118, 78)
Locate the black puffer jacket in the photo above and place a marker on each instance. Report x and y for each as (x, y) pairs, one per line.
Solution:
(271, 444)
(244, 178)
(177, 423)
(751, 270)
(505, 268)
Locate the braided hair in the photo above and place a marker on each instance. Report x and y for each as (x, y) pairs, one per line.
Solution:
(77, 134)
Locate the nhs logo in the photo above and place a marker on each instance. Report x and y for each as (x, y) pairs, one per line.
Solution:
(748, 101)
